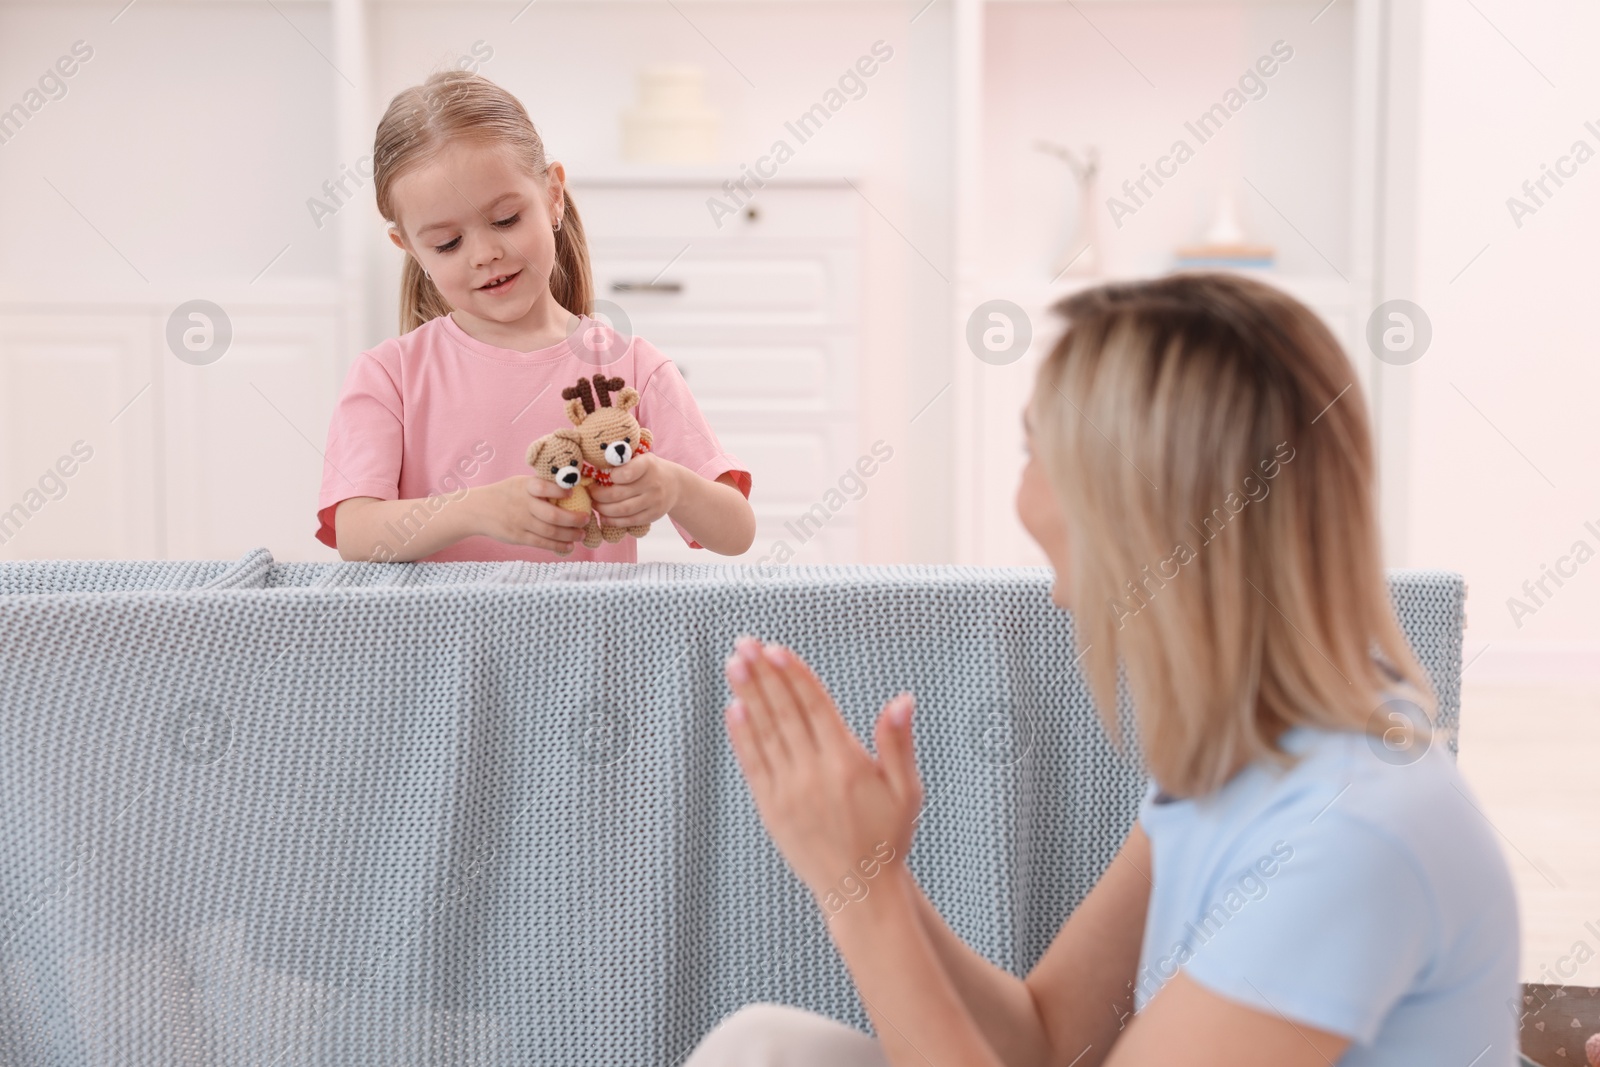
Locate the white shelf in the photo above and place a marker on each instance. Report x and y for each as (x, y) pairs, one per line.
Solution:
(1022, 75)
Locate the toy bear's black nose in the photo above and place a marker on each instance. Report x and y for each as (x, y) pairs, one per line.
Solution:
(568, 478)
(618, 452)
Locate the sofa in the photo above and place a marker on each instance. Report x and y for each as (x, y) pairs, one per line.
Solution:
(293, 813)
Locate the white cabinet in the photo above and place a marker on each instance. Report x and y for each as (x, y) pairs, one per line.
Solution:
(761, 315)
(79, 419)
(244, 441)
(167, 459)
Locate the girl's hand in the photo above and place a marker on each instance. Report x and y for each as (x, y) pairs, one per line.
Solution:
(831, 809)
(642, 490)
(521, 510)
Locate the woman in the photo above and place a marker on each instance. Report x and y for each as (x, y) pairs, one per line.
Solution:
(1308, 881)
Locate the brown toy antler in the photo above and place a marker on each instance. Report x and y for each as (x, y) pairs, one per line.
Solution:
(581, 391)
(604, 387)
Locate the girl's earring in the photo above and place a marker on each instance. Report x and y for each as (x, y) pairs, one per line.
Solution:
(426, 275)
(557, 226)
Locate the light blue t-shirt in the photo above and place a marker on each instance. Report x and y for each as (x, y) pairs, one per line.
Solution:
(1348, 893)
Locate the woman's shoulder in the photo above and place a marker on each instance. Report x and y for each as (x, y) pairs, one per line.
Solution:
(1356, 799)
(1349, 793)
(1419, 798)
(1370, 776)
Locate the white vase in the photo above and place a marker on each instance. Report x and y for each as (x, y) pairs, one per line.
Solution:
(1079, 254)
(1078, 247)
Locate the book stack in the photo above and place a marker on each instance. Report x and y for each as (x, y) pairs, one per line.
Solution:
(1232, 256)
(1224, 246)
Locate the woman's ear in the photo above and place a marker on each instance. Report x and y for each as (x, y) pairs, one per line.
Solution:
(399, 242)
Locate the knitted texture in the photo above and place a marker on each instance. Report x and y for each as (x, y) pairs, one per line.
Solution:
(358, 813)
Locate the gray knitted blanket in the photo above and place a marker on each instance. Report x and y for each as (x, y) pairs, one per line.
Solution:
(466, 813)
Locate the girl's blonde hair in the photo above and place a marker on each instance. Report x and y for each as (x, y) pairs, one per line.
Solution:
(1209, 446)
(461, 105)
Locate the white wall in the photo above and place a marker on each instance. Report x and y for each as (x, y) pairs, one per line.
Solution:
(1504, 430)
(189, 141)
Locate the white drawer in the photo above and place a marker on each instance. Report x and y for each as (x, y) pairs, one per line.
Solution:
(799, 373)
(679, 212)
(790, 377)
(729, 289)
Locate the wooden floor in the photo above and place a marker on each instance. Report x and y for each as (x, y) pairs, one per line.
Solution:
(1532, 756)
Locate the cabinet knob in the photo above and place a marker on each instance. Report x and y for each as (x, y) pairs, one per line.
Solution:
(646, 287)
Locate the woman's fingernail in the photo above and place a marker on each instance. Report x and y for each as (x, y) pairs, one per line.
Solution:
(736, 710)
(901, 712)
(736, 669)
(748, 647)
(777, 655)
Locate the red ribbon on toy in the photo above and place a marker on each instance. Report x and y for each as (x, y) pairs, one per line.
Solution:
(602, 476)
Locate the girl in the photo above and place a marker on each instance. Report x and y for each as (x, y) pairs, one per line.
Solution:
(1308, 881)
(426, 453)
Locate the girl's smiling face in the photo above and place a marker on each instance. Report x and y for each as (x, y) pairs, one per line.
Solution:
(473, 216)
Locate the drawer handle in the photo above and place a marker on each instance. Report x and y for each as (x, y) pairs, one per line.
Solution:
(647, 287)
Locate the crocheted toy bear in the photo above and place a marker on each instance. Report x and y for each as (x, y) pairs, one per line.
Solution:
(603, 436)
(558, 457)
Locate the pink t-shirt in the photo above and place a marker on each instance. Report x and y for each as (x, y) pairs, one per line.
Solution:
(435, 410)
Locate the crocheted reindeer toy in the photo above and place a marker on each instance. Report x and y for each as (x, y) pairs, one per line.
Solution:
(606, 436)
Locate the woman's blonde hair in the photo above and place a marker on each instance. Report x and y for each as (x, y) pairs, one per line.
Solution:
(461, 105)
(1209, 446)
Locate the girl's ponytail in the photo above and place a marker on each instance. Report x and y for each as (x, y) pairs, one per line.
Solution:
(571, 282)
(420, 299)
(419, 123)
